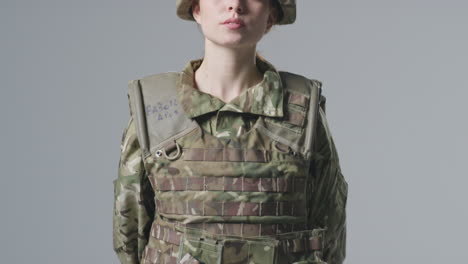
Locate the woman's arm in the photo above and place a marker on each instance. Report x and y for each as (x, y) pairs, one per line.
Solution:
(329, 195)
(133, 201)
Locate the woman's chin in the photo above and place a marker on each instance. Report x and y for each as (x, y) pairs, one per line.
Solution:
(234, 43)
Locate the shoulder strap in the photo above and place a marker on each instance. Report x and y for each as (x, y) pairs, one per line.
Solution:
(312, 89)
(323, 100)
(315, 102)
(297, 128)
(159, 116)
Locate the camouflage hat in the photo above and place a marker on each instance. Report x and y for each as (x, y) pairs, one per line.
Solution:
(287, 13)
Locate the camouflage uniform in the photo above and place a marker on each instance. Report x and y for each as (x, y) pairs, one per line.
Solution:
(145, 231)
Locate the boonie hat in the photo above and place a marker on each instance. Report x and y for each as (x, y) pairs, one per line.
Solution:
(288, 10)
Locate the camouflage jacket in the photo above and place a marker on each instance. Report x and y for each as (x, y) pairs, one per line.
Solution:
(134, 207)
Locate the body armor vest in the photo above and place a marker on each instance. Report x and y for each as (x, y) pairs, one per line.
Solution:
(237, 200)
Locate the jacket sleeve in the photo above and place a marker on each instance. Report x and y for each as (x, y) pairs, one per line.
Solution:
(329, 195)
(133, 201)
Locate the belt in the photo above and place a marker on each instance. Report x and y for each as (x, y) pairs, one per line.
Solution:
(295, 245)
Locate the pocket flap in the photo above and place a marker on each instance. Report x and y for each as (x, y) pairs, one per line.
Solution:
(239, 251)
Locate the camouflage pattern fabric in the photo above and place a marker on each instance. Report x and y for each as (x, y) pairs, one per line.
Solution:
(330, 194)
(221, 119)
(143, 233)
(288, 8)
(133, 201)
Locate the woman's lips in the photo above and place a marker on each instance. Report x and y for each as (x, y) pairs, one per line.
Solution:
(233, 25)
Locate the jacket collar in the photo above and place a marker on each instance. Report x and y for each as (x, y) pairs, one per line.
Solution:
(265, 98)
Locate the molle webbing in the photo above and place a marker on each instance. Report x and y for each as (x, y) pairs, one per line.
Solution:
(300, 111)
(152, 255)
(305, 93)
(298, 99)
(244, 229)
(295, 118)
(227, 154)
(173, 236)
(188, 191)
(241, 184)
(209, 208)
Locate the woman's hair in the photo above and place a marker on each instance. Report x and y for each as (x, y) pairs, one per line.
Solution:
(277, 12)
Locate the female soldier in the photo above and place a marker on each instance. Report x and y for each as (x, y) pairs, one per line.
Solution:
(230, 160)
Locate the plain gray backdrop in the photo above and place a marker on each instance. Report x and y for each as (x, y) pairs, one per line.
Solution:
(395, 78)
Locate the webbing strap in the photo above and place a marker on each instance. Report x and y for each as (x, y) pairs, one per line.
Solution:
(135, 98)
(312, 116)
(303, 244)
(209, 208)
(241, 184)
(165, 234)
(226, 154)
(246, 230)
(301, 111)
(294, 245)
(296, 118)
(152, 255)
(298, 99)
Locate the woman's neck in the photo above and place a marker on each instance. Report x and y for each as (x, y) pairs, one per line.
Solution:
(226, 73)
